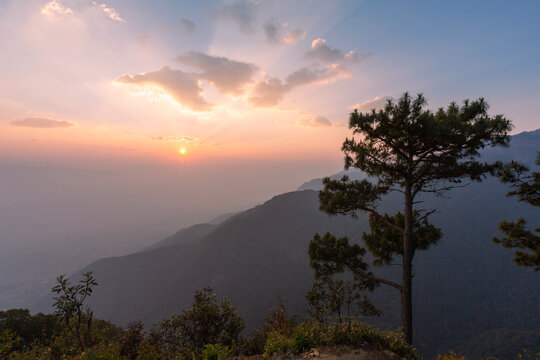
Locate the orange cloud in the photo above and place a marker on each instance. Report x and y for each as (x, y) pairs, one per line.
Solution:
(43, 123)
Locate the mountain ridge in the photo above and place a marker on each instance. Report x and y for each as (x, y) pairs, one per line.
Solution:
(261, 253)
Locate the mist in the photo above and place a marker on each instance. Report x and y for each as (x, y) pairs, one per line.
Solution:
(56, 217)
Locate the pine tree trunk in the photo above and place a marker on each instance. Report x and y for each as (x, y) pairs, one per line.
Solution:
(406, 291)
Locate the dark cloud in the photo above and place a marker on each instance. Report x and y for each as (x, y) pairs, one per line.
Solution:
(188, 26)
(43, 123)
(242, 12)
(272, 32)
(270, 92)
(321, 52)
(183, 87)
(318, 121)
(229, 76)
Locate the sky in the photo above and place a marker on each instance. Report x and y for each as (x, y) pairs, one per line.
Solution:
(125, 120)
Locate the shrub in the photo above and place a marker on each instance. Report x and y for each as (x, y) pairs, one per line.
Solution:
(8, 340)
(301, 342)
(528, 355)
(149, 350)
(450, 356)
(207, 322)
(276, 342)
(130, 340)
(312, 334)
(102, 352)
(255, 343)
(216, 352)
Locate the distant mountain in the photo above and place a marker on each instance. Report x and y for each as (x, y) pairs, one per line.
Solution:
(467, 290)
(222, 218)
(190, 234)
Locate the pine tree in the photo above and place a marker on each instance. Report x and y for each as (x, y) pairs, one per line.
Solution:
(526, 186)
(409, 150)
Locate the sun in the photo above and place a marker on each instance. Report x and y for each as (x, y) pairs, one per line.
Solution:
(182, 151)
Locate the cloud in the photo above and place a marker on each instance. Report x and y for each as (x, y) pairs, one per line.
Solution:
(308, 76)
(293, 36)
(318, 121)
(55, 8)
(43, 123)
(272, 30)
(241, 12)
(188, 26)
(110, 12)
(143, 39)
(320, 51)
(183, 87)
(376, 103)
(229, 76)
(270, 92)
(179, 139)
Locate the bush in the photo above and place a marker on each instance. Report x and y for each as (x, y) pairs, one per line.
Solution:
(130, 340)
(207, 322)
(276, 342)
(311, 334)
(149, 350)
(32, 330)
(255, 343)
(216, 352)
(8, 340)
(450, 356)
(102, 352)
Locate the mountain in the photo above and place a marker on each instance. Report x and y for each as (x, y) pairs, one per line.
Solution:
(467, 291)
(192, 233)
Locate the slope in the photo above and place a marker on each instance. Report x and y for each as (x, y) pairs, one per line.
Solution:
(465, 288)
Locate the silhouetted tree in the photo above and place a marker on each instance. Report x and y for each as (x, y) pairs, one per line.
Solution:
(70, 307)
(526, 186)
(408, 150)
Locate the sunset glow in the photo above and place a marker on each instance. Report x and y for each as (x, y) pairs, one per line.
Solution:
(172, 146)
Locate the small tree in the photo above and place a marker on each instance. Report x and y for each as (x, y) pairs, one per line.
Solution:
(411, 151)
(8, 341)
(130, 340)
(70, 307)
(207, 322)
(333, 298)
(526, 186)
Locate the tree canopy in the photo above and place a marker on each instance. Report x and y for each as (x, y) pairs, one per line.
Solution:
(526, 187)
(408, 149)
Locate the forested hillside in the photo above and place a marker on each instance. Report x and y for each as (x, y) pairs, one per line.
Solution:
(468, 294)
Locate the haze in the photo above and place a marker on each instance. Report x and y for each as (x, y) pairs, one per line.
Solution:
(97, 99)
